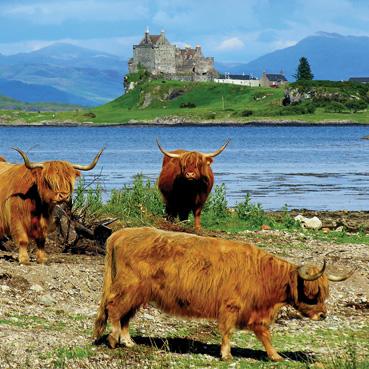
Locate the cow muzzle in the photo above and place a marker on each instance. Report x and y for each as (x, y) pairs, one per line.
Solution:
(190, 175)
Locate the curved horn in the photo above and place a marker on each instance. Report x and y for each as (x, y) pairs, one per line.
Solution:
(167, 153)
(338, 278)
(27, 162)
(92, 164)
(217, 152)
(304, 272)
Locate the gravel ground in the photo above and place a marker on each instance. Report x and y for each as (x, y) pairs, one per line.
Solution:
(47, 312)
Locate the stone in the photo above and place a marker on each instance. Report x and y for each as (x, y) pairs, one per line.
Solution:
(36, 288)
(47, 300)
(310, 223)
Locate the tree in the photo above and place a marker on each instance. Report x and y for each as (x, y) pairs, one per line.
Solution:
(303, 70)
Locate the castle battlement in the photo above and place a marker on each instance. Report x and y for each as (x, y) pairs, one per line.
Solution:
(159, 57)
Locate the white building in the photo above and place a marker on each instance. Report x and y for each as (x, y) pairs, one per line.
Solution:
(238, 79)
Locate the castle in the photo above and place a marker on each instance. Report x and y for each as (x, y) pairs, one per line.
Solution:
(159, 57)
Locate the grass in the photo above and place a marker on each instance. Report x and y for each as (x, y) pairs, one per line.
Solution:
(199, 102)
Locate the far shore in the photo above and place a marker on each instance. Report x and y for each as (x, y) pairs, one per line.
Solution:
(170, 123)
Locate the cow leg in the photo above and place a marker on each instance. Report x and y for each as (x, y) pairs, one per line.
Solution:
(122, 306)
(171, 213)
(125, 337)
(263, 334)
(227, 322)
(41, 257)
(21, 239)
(113, 338)
(197, 214)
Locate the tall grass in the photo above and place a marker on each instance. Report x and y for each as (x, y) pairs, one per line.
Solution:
(141, 204)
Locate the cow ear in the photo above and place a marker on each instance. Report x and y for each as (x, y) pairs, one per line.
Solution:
(209, 161)
(77, 173)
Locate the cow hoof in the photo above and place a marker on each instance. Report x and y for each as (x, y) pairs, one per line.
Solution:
(227, 357)
(41, 260)
(112, 342)
(276, 357)
(24, 260)
(127, 341)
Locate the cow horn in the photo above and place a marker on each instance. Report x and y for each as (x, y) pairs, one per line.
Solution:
(304, 272)
(27, 162)
(338, 278)
(92, 164)
(217, 152)
(167, 153)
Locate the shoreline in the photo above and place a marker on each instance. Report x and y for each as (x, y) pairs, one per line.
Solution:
(263, 123)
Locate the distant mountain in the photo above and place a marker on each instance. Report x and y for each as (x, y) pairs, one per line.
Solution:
(32, 93)
(331, 56)
(79, 74)
(7, 103)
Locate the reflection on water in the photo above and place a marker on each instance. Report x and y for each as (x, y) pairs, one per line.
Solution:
(304, 167)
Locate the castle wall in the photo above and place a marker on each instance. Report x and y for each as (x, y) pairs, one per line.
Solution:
(145, 56)
(165, 59)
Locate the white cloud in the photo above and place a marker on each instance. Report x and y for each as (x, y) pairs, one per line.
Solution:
(49, 12)
(121, 46)
(233, 43)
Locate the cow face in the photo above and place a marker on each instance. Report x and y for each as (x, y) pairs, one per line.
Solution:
(311, 296)
(56, 181)
(194, 165)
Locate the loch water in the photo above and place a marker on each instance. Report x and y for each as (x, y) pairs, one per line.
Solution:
(314, 167)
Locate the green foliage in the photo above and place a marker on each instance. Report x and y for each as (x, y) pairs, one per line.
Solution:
(187, 105)
(356, 105)
(303, 70)
(246, 113)
(136, 204)
(335, 107)
(253, 214)
(306, 107)
(88, 199)
(288, 221)
(216, 206)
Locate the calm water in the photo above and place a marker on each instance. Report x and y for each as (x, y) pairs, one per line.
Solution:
(304, 167)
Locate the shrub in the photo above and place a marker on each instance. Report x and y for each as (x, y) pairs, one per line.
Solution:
(87, 200)
(251, 213)
(217, 205)
(334, 107)
(246, 113)
(300, 108)
(137, 203)
(210, 115)
(187, 105)
(355, 105)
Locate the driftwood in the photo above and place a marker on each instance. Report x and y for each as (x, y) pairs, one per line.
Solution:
(79, 238)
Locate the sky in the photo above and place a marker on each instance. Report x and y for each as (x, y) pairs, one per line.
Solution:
(231, 31)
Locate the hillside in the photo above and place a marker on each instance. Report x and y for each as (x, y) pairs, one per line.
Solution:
(77, 75)
(175, 102)
(331, 56)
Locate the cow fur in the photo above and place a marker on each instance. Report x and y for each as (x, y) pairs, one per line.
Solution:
(27, 201)
(235, 283)
(185, 184)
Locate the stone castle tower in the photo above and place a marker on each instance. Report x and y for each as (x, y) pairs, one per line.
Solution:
(159, 57)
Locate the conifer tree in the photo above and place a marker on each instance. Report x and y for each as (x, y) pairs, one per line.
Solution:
(303, 70)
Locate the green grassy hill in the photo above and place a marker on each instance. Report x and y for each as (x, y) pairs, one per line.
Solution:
(186, 102)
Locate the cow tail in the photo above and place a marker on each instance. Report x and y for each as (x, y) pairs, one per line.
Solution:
(102, 314)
